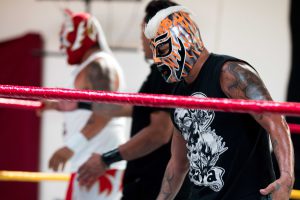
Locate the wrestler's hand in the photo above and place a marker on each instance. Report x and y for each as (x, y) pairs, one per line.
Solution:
(59, 158)
(280, 189)
(89, 172)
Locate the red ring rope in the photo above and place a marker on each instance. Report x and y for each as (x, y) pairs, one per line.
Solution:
(33, 105)
(28, 104)
(294, 128)
(170, 101)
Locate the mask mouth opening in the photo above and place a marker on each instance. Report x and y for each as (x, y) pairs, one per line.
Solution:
(165, 71)
(168, 73)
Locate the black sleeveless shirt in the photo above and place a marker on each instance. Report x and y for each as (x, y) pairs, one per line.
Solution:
(228, 152)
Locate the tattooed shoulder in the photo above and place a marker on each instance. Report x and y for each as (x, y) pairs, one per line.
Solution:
(102, 76)
(240, 81)
(99, 75)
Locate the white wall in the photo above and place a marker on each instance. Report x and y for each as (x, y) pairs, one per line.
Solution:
(254, 30)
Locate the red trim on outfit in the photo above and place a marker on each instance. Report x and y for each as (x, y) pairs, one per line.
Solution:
(105, 183)
(70, 187)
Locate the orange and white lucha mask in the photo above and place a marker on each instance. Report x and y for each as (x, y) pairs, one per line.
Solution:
(175, 41)
(78, 34)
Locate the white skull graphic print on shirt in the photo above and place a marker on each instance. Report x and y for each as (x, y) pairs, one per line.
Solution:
(203, 144)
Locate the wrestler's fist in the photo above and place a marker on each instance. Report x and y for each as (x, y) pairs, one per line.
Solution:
(280, 189)
(59, 158)
(89, 171)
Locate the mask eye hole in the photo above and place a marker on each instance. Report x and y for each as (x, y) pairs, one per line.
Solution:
(164, 49)
(65, 39)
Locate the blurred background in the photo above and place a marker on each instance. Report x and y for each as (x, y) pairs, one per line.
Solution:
(257, 31)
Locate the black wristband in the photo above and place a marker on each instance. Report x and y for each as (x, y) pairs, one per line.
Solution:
(84, 105)
(111, 157)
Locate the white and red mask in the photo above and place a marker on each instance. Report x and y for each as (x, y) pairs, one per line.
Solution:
(175, 41)
(78, 34)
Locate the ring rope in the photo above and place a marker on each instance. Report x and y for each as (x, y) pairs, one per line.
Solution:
(169, 101)
(21, 104)
(27, 104)
(41, 176)
(294, 128)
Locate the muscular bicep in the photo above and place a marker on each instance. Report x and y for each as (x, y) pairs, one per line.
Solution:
(150, 138)
(240, 81)
(161, 122)
(94, 125)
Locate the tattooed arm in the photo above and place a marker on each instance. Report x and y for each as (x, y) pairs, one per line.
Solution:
(240, 81)
(176, 170)
(98, 75)
(101, 76)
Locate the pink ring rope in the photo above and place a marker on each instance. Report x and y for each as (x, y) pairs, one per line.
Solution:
(34, 105)
(152, 100)
(141, 99)
(20, 104)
